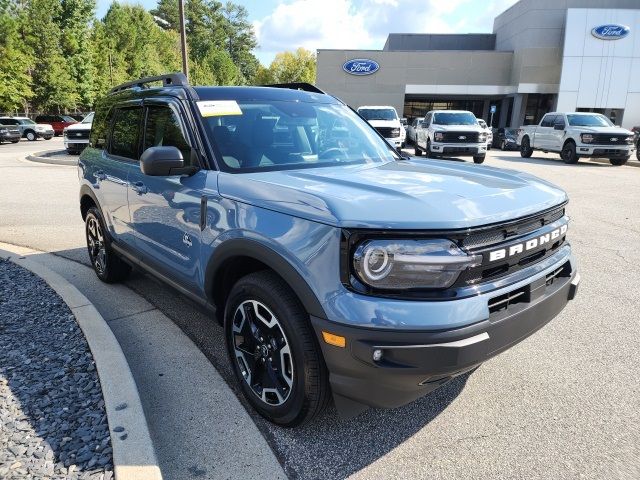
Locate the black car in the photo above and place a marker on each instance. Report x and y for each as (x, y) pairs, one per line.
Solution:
(9, 133)
(506, 139)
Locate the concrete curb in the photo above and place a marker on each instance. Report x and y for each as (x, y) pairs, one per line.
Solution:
(134, 457)
(40, 157)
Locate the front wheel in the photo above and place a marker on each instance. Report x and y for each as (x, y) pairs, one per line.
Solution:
(478, 158)
(15, 141)
(568, 153)
(108, 266)
(525, 148)
(619, 161)
(416, 149)
(275, 356)
(31, 136)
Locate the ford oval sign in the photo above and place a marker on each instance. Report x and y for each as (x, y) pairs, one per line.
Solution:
(361, 66)
(610, 32)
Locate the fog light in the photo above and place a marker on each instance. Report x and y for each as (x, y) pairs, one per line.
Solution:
(377, 355)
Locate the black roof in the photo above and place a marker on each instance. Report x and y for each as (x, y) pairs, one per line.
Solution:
(262, 93)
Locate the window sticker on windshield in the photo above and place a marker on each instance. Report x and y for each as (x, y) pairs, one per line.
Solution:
(217, 108)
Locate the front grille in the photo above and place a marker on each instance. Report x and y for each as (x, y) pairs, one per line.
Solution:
(77, 134)
(459, 137)
(487, 241)
(387, 132)
(609, 139)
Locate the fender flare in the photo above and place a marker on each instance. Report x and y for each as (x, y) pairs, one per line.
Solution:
(85, 190)
(242, 247)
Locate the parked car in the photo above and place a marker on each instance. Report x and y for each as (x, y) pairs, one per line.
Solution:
(9, 133)
(488, 131)
(412, 129)
(337, 266)
(577, 135)
(451, 132)
(28, 128)
(76, 136)
(58, 122)
(386, 121)
(506, 139)
(636, 141)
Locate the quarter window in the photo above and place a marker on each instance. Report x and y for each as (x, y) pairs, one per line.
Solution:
(163, 129)
(124, 136)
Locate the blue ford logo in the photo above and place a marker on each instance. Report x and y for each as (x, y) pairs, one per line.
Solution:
(610, 32)
(360, 66)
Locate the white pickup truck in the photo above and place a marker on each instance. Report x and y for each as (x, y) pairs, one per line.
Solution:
(451, 133)
(386, 121)
(575, 135)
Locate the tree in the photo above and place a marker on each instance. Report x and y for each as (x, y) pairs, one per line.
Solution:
(15, 81)
(298, 66)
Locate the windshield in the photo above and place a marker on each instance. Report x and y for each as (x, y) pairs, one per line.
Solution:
(378, 113)
(595, 120)
(88, 118)
(450, 118)
(26, 121)
(278, 135)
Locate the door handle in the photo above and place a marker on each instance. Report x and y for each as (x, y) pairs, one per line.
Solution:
(100, 175)
(139, 187)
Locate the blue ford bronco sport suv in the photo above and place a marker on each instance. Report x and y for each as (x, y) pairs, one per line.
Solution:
(339, 268)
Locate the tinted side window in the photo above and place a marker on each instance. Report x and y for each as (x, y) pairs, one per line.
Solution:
(559, 120)
(124, 135)
(163, 129)
(548, 121)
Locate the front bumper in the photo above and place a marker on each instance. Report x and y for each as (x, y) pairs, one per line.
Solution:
(75, 144)
(606, 151)
(395, 141)
(10, 137)
(415, 363)
(459, 149)
(45, 134)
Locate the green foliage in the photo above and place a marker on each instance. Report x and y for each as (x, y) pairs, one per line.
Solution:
(298, 66)
(56, 56)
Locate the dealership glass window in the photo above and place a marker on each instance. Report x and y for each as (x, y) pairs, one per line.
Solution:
(418, 107)
(537, 106)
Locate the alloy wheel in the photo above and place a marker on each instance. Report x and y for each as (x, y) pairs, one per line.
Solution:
(262, 352)
(95, 240)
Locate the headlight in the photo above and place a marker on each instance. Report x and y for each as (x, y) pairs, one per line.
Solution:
(4, 130)
(39, 129)
(586, 137)
(401, 264)
(629, 140)
(438, 136)
(395, 132)
(482, 137)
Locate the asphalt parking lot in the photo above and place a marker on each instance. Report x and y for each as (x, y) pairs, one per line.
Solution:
(562, 404)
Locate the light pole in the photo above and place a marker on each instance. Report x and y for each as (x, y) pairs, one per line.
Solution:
(183, 40)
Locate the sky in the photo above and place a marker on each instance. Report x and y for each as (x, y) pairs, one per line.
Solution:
(354, 24)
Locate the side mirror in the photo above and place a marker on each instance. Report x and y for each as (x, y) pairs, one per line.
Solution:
(161, 161)
(558, 126)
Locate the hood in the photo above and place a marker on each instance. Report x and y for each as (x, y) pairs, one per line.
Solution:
(385, 123)
(607, 130)
(79, 126)
(416, 194)
(458, 128)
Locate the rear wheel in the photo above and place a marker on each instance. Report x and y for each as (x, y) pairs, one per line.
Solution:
(273, 350)
(525, 148)
(568, 153)
(417, 152)
(619, 161)
(108, 266)
(15, 141)
(478, 158)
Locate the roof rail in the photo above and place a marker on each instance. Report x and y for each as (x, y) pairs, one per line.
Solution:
(177, 79)
(307, 87)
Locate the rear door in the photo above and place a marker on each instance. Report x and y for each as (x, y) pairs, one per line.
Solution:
(165, 211)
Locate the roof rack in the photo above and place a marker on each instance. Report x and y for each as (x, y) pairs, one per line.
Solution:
(307, 87)
(177, 79)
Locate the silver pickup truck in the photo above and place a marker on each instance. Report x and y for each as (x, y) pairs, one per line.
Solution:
(576, 135)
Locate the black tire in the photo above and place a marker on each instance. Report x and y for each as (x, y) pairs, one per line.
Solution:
(31, 135)
(619, 161)
(416, 149)
(503, 146)
(638, 152)
(430, 154)
(525, 148)
(15, 141)
(478, 158)
(302, 382)
(105, 261)
(568, 153)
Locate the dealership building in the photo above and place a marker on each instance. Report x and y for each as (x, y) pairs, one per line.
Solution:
(543, 55)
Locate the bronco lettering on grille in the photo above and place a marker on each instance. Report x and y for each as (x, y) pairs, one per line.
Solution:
(531, 244)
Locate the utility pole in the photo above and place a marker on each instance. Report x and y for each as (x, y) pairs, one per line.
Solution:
(183, 39)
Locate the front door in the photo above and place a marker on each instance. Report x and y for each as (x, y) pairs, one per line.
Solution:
(544, 133)
(165, 211)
